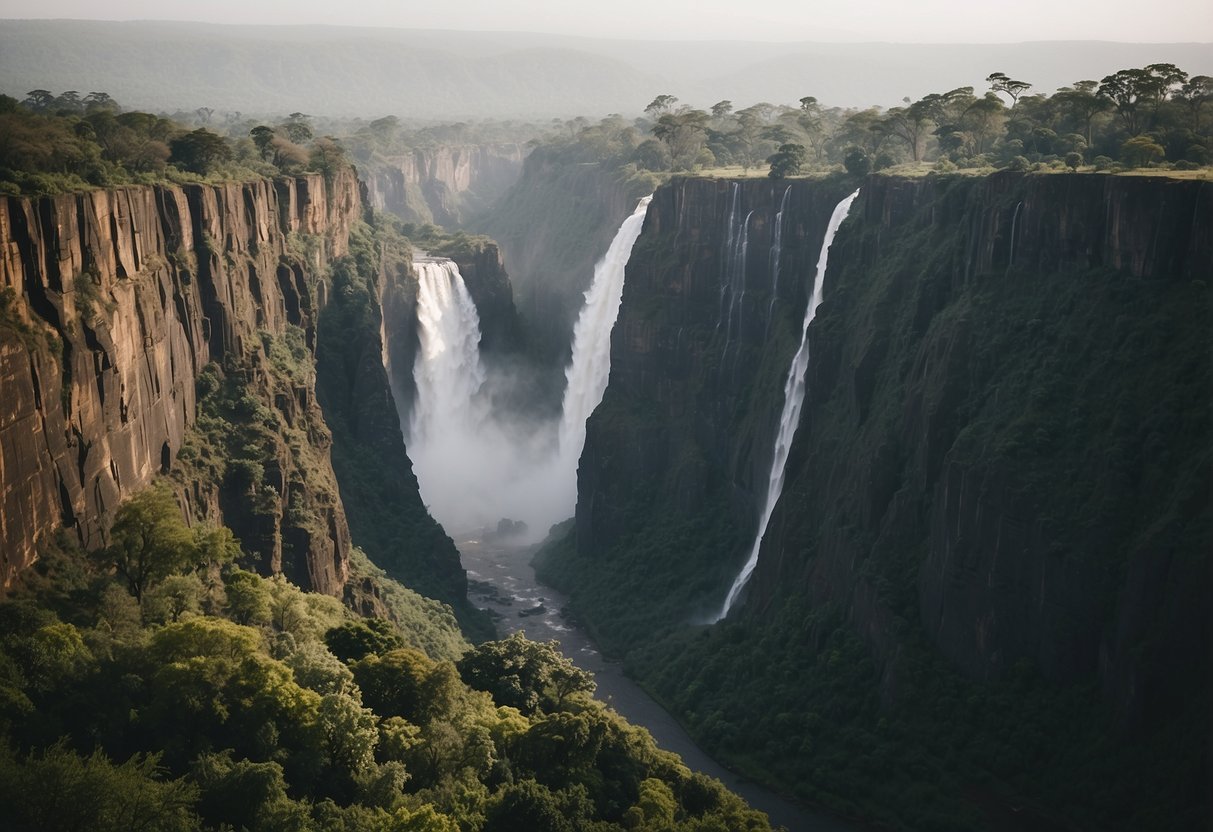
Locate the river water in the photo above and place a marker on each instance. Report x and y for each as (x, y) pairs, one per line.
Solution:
(502, 581)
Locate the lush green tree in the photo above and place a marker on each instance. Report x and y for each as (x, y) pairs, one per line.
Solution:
(392, 683)
(1081, 103)
(685, 133)
(355, 639)
(524, 674)
(787, 160)
(55, 789)
(1140, 151)
(857, 162)
(527, 805)
(1137, 93)
(248, 597)
(199, 151)
(149, 541)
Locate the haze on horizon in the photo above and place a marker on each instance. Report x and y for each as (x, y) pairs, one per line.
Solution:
(924, 21)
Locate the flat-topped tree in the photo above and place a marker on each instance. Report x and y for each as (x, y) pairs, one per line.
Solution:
(1000, 82)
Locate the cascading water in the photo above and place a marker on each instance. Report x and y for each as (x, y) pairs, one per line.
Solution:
(793, 399)
(448, 375)
(590, 368)
(776, 251)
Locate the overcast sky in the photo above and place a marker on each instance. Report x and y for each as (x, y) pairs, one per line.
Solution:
(973, 21)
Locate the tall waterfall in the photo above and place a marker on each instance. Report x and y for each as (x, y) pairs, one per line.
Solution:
(448, 375)
(793, 399)
(591, 365)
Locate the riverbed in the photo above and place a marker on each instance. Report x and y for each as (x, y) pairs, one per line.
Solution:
(502, 581)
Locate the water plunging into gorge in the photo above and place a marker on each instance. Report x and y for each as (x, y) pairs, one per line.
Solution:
(477, 466)
(590, 368)
(457, 445)
(793, 399)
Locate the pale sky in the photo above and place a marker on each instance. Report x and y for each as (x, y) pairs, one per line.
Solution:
(974, 21)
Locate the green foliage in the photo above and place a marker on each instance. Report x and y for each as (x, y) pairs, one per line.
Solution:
(354, 640)
(524, 674)
(57, 789)
(150, 541)
(787, 161)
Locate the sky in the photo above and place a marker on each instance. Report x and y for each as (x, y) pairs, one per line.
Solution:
(930, 21)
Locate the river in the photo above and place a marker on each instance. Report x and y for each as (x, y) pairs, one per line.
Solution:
(502, 581)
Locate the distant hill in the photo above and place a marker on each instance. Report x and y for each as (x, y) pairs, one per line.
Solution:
(337, 71)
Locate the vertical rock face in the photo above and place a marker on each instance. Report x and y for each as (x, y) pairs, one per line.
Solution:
(112, 303)
(439, 184)
(1005, 439)
(552, 226)
(699, 354)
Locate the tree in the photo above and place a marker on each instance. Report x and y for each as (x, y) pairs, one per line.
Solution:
(524, 674)
(297, 127)
(1140, 151)
(909, 124)
(684, 133)
(661, 105)
(57, 789)
(1195, 94)
(355, 639)
(721, 109)
(199, 151)
(999, 82)
(263, 138)
(392, 683)
(787, 160)
(248, 597)
(1137, 93)
(149, 541)
(857, 162)
(1081, 103)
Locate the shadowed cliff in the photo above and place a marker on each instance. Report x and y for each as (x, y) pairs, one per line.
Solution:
(996, 523)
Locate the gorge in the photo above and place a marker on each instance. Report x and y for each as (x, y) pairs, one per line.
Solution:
(987, 492)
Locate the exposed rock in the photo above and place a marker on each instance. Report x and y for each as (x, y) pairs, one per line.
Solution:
(439, 184)
(117, 299)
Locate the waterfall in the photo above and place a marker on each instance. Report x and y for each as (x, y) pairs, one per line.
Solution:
(1014, 222)
(448, 375)
(776, 251)
(591, 365)
(793, 399)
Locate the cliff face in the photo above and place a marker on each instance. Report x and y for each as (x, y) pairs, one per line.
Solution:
(1004, 405)
(552, 226)
(441, 184)
(113, 303)
(1001, 473)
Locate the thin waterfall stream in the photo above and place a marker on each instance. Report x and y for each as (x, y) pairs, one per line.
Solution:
(793, 400)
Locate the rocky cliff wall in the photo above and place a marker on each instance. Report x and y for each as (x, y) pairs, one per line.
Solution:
(553, 225)
(1004, 440)
(113, 303)
(441, 184)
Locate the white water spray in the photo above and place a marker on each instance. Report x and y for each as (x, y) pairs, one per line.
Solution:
(793, 399)
(590, 369)
(448, 375)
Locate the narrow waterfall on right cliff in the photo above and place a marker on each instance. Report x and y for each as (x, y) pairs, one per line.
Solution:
(793, 399)
(590, 368)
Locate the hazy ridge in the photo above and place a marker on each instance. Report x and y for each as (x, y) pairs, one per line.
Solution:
(338, 71)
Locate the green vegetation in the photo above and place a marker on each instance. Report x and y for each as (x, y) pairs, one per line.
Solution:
(62, 143)
(377, 486)
(1157, 116)
(233, 712)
